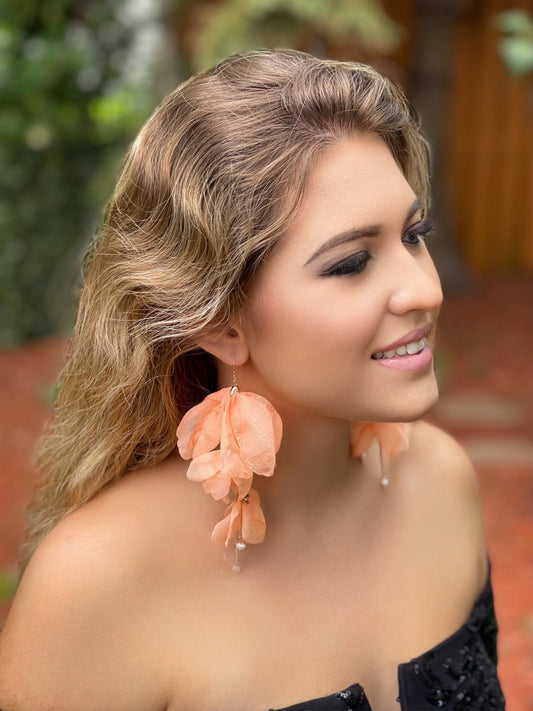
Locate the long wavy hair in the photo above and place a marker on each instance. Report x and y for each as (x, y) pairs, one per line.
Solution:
(206, 191)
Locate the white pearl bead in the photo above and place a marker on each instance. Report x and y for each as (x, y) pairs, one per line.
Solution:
(384, 481)
(236, 568)
(240, 545)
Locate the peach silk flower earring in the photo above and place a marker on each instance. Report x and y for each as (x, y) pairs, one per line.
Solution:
(230, 436)
(392, 437)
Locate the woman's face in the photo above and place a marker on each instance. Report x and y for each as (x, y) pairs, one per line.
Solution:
(351, 280)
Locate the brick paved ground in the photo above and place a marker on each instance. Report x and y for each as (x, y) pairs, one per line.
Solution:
(487, 403)
(486, 379)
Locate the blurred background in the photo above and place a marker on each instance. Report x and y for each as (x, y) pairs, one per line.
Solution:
(78, 78)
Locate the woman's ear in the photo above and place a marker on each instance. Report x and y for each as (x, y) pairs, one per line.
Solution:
(228, 345)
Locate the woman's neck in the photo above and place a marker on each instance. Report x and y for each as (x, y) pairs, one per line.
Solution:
(315, 472)
(313, 467)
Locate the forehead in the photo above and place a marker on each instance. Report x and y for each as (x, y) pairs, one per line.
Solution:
(353, 183)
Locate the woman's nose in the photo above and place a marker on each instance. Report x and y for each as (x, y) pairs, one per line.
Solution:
(416, 285)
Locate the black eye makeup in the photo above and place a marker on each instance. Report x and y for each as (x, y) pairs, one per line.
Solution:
(356, 263)
(418, 232)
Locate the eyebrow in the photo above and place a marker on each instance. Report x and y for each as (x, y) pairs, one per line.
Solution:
(359, 232)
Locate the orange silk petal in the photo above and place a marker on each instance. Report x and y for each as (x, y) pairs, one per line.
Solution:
(217, 486)
(256, 431)
(204, 466)
(361, 437)
(228, 528)
(253, 519)
(277, 424)
(231, 460)
(199, 429)
(243, 486)
(391, 436)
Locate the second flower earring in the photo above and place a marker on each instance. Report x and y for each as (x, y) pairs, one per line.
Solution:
(392, 438)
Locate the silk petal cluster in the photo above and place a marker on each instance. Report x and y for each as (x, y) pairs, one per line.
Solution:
(392, 437)
(247, 430)
(252, 526)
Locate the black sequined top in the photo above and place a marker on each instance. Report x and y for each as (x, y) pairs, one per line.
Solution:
(459, 673)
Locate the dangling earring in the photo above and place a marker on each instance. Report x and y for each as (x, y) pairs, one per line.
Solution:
(384, 481)
(392, 437)
(247, 431)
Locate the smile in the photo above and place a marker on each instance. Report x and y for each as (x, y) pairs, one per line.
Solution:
(407, 349)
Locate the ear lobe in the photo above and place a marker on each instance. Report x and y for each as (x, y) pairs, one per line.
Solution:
(229, 346)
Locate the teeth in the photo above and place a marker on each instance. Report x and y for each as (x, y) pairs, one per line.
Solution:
(408, 349)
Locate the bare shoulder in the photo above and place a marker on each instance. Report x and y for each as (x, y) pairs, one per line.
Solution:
(445, 490)
(80, 634)
(443, 461)
(430, 443)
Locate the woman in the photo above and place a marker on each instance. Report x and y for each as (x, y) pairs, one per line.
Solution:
(264, 248)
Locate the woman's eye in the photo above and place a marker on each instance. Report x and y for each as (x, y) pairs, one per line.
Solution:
(354, 264)
(417, 233)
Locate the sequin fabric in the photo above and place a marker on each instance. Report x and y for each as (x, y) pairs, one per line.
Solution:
(354, 698)
(459, 673)
(351, 699)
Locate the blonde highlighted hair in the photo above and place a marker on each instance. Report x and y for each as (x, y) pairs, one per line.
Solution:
(207, 189)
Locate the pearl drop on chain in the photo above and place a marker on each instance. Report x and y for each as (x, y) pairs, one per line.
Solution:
(240, 545)
(384, 481)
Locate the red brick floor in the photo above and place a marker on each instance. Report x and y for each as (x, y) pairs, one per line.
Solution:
(486, 342)
(486, 348)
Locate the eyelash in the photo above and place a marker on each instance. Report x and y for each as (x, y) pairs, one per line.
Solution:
(356, 263)
(420, 231)
(352, 265)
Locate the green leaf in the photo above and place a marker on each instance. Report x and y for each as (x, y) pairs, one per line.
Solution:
(518, 54)
(517, 48)
(514, 21)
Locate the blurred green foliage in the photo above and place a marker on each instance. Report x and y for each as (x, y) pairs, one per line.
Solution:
(516, 47)
(68, 109)
(8, 585)
(69, 106)
(238, 25)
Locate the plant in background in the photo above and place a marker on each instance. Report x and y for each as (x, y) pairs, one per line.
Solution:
(76, 80)
(71, 99)
(238, 25)
(516, 47)
(8, 585)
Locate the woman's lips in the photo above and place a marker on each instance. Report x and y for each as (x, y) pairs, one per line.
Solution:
(411, 337)
(411, 363)
(409, 353)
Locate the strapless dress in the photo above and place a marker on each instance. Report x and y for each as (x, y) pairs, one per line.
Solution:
(459, 673)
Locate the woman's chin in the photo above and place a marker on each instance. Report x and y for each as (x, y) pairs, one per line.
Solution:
(412, 407)
(418, 408)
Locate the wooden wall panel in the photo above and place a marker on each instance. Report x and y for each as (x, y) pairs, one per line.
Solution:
(490, 135)
(490, 162)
